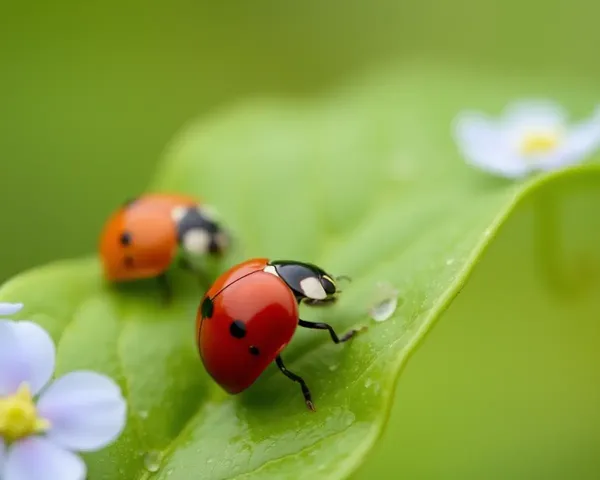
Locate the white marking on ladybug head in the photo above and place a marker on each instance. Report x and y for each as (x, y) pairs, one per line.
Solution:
(196, 241)
(270, 269)
(312, 288)
(178, 213)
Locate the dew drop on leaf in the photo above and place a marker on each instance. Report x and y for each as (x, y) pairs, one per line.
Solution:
(450, 261)
(152, 461)
(385, 302)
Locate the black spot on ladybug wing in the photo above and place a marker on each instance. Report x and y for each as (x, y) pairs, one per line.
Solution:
(125, 239)
(237, 329)
(207, 308)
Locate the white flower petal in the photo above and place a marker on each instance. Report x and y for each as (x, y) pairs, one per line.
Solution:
(483, 144)
(86, 410)
(496, 145)
(554, 160)
(584, 137)
(503, 164)
(10, 308)
(582, 141)
(473, 127)
(568, 155)
(37, 458)
(27, 354)
(8, 352)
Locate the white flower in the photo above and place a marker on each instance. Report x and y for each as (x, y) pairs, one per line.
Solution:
(529, 136)
(81, 411)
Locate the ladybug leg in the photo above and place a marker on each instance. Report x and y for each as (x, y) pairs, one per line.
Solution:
(296, 378)
(165, 287)
(325, 326)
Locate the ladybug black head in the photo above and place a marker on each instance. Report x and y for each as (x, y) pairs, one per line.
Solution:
(310, 283)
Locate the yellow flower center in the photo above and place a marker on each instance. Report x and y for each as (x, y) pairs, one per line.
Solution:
(18, 416)
(540, 142)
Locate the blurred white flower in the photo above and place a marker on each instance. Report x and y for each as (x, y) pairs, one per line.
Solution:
(80, 411)
(529, 136)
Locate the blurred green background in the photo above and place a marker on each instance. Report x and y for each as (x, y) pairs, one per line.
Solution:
(92, 92)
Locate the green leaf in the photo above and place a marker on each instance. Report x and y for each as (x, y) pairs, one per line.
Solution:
(364, 181)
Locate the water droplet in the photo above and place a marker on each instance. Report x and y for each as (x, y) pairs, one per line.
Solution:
(169, 472)
(333, 367)
(385, 302)
(383, 310)
(450, 261)
(368, 382)
(152, 460)
(143, 414)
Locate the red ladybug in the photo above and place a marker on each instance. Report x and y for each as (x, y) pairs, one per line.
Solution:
(143, 237)
(250, 314)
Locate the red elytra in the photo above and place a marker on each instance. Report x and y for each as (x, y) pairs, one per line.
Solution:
(250, 314)
(255, 301)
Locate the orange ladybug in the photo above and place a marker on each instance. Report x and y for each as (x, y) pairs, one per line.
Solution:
(143, 238)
